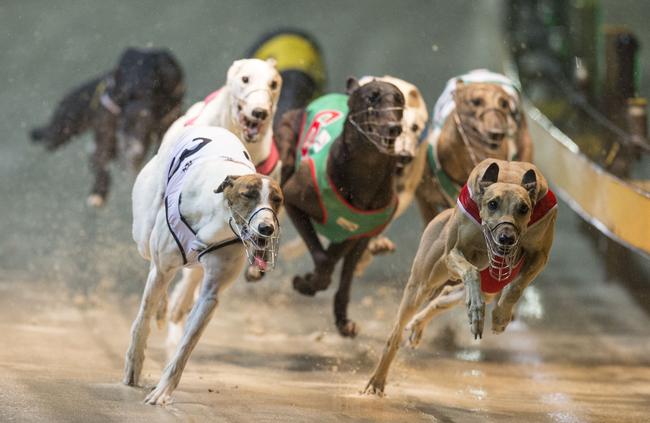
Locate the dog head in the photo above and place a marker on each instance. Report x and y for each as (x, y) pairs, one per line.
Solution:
(376, 110)
(506, 193)
(414, 119)
(254, 87)
(254, 202)
(146, 86)
(487, 113)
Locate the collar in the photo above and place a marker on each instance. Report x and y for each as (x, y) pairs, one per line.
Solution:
(109, 104)
(268, 165)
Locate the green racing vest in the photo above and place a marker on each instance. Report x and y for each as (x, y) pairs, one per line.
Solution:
(322, 123)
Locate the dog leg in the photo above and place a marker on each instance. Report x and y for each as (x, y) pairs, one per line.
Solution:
(181, 302)
(462, 269)
(510, 295)
(345, 326)
(411, 301)
(215, 279)
(105, 144)
(157, 282)
(448, 298)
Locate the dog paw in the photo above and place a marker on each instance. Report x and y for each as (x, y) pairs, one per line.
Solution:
(130, 375)
(95, 200)
(253, 274)
(374, 387)
(414, 331)
(302, 285)
(347, 328)
(310, 284)
(500, 319)
(476, 314)
(161, 395)
(381, 245)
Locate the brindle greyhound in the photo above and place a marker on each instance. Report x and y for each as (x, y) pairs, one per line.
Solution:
(357, 175)
(476, 117)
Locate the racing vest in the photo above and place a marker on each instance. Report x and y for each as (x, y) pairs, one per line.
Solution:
(444, 106)
(322, 123)
(465, 202)
(194, 147)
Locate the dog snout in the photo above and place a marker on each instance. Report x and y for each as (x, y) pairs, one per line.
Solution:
(404, 158)
(260, 113)
(496, 134)
(507, 236)
(394, 129)
(265, 229)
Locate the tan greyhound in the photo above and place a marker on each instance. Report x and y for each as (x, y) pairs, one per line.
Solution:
(492, 245)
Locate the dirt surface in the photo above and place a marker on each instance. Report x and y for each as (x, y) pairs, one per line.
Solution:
(70, 277)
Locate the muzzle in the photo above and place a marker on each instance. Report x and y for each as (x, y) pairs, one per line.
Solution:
(502, 257)
(261, 249)
(251, 125)
(381, 135)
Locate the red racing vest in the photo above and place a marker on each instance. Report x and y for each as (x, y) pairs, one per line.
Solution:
(468, 206)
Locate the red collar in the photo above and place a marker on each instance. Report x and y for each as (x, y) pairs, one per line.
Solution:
(470, 208)
(268, 165)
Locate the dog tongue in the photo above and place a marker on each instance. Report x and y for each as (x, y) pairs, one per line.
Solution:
(261, 263)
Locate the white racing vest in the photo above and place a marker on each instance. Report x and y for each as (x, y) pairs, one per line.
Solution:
(197, 145)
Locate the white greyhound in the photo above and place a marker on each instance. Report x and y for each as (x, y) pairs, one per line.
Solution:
(228, 212)
(245, 105)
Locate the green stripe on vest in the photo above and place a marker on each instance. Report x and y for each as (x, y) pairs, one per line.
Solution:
(324, 121)
(449, 187)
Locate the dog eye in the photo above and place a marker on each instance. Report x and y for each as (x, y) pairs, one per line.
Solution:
(523, 209)
(249, 194)
(492, 205)
(276, 200)
(477, 102)
(504, 103)
(244, 79)
(415, 127)
(274, 85)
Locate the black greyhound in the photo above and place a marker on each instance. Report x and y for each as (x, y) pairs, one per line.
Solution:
(333, 183)
(128, 108)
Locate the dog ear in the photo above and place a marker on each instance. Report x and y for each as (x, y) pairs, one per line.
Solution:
(351, 85)
(413, 98)
(227, 183)
(490, 176)
(233, 70)
(529, 182)
(271, 61)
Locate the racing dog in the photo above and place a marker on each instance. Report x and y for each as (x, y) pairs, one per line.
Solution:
(197, 204)
(492, 245)
(477, 116)
(245, 105)
(338, 161)
(129, 108)
(408, 147)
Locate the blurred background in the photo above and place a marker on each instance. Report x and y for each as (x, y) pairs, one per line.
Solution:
(587, 311)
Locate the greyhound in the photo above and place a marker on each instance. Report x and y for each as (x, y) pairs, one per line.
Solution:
(492, 245)
(129, 109)
(198, 204)
(338, 161)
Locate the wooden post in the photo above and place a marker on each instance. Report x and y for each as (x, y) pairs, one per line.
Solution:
(584, 23)
(620, 65)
